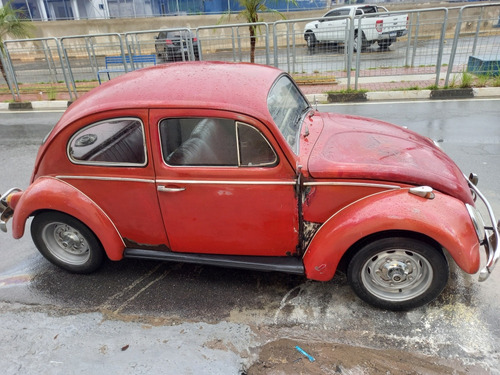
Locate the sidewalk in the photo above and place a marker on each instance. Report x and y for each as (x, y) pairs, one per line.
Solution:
(370, 89)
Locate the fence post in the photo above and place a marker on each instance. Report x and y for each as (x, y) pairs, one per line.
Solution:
(8, 69)
(441, 47)
(478, 27)
(454, 47)
(349, 51)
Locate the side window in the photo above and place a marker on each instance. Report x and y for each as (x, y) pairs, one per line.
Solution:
(195, 141)
(213, 142)
(113, 142)
(254, 148)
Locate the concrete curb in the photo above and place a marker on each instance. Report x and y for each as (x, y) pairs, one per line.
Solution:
(481, 92)
(36, 105)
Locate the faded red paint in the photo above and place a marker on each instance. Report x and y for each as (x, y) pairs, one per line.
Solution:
(354, 173)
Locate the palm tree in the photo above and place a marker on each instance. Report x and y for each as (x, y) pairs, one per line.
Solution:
(251, 11)
(11, 24)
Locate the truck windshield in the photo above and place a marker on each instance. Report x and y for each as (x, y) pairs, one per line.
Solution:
(287, 107)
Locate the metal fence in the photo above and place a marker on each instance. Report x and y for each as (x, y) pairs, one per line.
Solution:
(434, 52)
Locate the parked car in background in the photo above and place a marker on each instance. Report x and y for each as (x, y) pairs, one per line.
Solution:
(228, 164)
(380, 27)
(177, 45)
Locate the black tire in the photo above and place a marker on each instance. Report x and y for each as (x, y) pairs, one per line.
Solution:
(384, 44)
(360, 42)
(398, 273)
(67, 242)
(310, 39)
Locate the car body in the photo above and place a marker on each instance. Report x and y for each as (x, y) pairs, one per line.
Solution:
(371, 24)
(176, 45)
(243, 172)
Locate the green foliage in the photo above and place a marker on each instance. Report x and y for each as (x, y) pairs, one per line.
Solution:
(347, 91)
(12, 25)
(496, 81)
(482, 80)
(466, 81)
(251, 13)
(52, 93)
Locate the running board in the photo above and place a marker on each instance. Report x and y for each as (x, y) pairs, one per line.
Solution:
(290, 264)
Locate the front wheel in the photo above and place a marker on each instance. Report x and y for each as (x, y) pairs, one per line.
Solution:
(398, 273)
(310, 40)
(67, 242)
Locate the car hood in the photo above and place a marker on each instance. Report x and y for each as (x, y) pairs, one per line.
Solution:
(351, 147)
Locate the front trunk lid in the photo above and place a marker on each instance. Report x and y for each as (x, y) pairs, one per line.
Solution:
(351, 147)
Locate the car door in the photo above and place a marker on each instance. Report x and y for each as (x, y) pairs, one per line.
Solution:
(223, 185)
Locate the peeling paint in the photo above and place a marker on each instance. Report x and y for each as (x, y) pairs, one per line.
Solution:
(310, 230)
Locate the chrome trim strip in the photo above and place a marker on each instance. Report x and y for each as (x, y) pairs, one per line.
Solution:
(124, 179)
(225, 182)
(359, 184)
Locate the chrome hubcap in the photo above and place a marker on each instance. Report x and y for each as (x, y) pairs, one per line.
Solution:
(397, 275)
(66, 243)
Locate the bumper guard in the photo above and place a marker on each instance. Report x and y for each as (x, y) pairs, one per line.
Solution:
(491, 240)
(6, 212)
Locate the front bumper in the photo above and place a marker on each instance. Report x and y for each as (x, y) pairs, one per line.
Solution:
(6, 212)
(491, 238)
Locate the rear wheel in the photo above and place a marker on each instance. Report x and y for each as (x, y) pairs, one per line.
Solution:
(384, 44)
(398, 273)
(67, 242)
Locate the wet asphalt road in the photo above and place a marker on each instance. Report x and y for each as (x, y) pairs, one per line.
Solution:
(461, 325)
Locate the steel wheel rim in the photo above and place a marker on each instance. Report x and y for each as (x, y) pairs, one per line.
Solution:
(397, 275)
(66, 243)
(309, 40)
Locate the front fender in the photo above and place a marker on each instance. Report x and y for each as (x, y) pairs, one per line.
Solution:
(444, 219)
(48, 193)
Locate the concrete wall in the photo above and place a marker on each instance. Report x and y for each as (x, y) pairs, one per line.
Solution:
(85, 27)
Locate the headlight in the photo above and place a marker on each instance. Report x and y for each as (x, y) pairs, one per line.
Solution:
(477, 221)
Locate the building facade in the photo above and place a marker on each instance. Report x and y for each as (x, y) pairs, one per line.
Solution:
(51, 10)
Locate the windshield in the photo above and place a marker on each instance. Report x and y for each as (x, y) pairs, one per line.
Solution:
(288, 107)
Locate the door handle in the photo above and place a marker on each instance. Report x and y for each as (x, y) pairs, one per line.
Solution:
(165, 189)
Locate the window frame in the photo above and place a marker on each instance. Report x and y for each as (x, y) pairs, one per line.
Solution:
(105, 163)
(236, 123)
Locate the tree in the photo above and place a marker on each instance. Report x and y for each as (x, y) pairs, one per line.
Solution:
(251, 13)
(12, 25)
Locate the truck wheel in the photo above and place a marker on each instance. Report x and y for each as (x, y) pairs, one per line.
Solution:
(310, 40)
(384, 44)
(398, 273)
(360, 41)
(67, 242)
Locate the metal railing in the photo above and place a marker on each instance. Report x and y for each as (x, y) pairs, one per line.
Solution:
(437, 44)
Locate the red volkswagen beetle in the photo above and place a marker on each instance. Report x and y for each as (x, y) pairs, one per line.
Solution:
(228, 164)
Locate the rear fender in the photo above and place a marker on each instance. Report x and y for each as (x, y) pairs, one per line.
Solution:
(444, 219)
(48, 193)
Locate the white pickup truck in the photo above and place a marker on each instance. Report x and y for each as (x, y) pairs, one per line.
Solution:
(383, 28)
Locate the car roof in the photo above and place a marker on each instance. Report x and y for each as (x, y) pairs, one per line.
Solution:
(238, 87)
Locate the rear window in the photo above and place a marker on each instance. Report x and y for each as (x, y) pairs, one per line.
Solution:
(113, 142)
